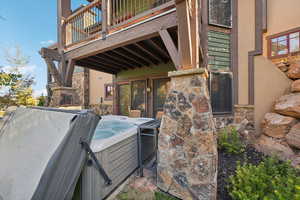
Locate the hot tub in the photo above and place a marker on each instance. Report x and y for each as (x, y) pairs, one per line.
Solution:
(116, 147)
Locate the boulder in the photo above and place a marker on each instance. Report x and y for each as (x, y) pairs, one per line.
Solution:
(273, 147)
(293, 137)
(288, 105)
(294, 70)
(276, 125)
(295, 86)
(283, 66)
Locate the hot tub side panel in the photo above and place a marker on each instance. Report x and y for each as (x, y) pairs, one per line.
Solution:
(118, 160)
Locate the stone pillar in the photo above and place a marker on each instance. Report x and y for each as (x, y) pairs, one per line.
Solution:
(187, 166)
(64, 96)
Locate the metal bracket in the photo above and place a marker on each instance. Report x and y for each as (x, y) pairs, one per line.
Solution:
(96, 163)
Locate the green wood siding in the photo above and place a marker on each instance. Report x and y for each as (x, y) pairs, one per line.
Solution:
(219, 51)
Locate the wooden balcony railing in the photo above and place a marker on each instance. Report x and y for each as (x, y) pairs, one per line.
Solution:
(106, 16)
(84, 23)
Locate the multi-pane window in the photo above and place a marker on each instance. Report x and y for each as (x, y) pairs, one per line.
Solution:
(284, 44)
(220, 13)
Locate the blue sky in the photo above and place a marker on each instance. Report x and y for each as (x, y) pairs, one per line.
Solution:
(30, 24)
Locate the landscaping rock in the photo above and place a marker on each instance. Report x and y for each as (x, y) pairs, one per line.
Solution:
(294, 70)
(296, 86)
(276, 125)
(272, 147)
(293, 137)
(283, 67)
(296, 161)
(288, 105)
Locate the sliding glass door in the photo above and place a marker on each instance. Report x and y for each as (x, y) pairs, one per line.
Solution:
(124, 99)
(160, 91)
(138, 96)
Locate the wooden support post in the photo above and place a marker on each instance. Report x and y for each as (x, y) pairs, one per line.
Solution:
(104, 18)
(109, 13)
(195, 33)
(63, 11)
(188, 33)
(170, 46)
(53, 70)
(69, 73)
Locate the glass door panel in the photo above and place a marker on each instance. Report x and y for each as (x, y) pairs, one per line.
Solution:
(124, 99)
(138, 96)
(160, 91)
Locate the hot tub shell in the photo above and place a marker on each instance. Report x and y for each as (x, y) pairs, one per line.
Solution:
(118, 156)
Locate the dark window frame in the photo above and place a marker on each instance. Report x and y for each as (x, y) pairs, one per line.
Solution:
(108, 97)
(232, 93)
(216, 24)
(278, 35)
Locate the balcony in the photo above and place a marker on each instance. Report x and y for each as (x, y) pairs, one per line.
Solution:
(102, 18)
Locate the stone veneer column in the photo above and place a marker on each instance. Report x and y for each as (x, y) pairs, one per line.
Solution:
(61, 96)
(187, 166)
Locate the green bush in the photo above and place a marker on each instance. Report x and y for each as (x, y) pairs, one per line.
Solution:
(270, 180)
(230, 141)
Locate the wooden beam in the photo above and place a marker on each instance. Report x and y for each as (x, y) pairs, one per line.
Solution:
(112, 62)
(119, 60)
(95, 67)
(53, 71)
(50, 53)
(170, 46)
(147, 51)
(135, 60)
(104, 64)
(144, 58)
(158, 48)
(69, 73)
(138, 33)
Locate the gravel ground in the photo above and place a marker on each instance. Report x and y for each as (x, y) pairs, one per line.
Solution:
(227, 166)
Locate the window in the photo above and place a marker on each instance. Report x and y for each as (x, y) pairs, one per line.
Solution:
(221, 92)
(284, 44)
(220, 13)
(108, 91)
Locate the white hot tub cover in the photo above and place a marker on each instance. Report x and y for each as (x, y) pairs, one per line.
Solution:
(41, 155)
